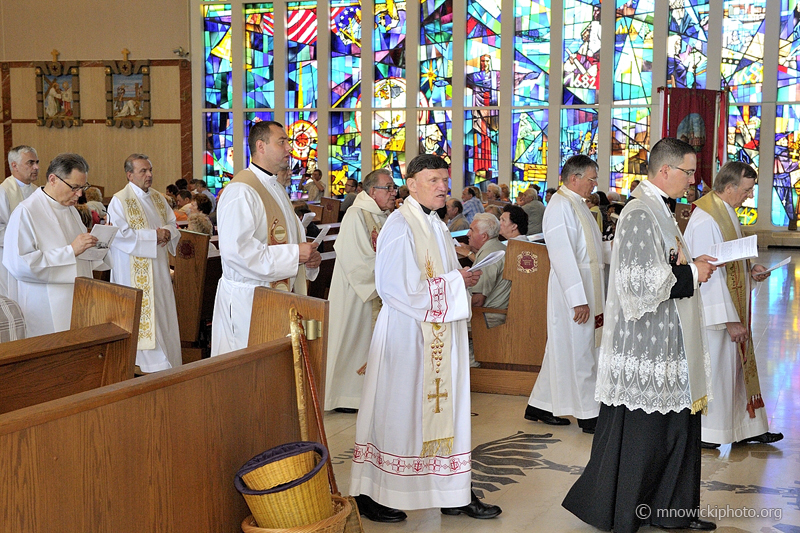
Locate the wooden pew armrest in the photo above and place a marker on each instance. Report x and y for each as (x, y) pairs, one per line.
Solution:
(74, 339)
(489, 310)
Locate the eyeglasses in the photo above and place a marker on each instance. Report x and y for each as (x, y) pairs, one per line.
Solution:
(594, 179)
(689, 173)
(75, 188)
(389, 188)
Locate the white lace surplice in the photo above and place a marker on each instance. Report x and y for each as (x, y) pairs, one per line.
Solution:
(642, 362)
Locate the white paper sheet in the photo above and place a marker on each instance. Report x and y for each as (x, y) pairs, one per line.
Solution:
(307, 218)
(745, 248)
(493, 257)
(782, 263)
(104, 234)
(322, 233)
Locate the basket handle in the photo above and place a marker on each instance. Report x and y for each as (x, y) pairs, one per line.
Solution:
(300, 354)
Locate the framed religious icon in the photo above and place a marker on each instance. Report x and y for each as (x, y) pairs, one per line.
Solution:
(128, 93)
(57, 93)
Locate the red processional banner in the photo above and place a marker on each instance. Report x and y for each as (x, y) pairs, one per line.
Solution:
(699, 117)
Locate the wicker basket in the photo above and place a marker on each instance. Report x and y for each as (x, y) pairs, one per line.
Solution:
(287, 486)
(334, 524)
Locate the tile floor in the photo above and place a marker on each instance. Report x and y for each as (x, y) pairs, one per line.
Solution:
(527, 467)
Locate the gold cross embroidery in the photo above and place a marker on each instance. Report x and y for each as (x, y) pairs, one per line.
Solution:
(438, 395)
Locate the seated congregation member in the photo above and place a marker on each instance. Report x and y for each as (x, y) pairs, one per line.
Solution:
(493, 210)
(94, 200)
(43, 244)
(455, 216)
(505, 193)
(548, 194)
(472, 203)
(261, 240)
(184, 207)
(514, 223)
(201, 204)
(575, 299)
(199, 223)
(425, 299)
(534, 208)
(349, 196)
(352, 292)
(737, 412)
(492, 192)
(140, 253)
(492, 290)
(593, 201)
(200, 187)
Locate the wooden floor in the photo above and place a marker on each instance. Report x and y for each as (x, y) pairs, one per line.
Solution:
(528, 467)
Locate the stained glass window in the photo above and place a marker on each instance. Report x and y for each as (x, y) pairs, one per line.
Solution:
(786, 180)
(743, 49)
(482, 53)
(789, 52)
(436, 53)
(630, 142)
(251, 118)
(744, 134)
(344, 157)
(578, 133)
(480, 146)
(345, 67)
(258, 55)
(301, 54)
(218, 155)
(633, 52)
(217, 40)
(301, 127)
(389, 142)
(389, 48)
(436, 133)
(581, 51)
(687, 44)
(531, 52)
(529, 144)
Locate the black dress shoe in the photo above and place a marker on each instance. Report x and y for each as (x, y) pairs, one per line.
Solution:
(376, 512)
(588, 425)
(708, 445)
(348, 410)
(764, 438)
(540, 415)
(696, 525)
(475, 509)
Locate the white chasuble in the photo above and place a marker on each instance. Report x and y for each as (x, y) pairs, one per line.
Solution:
(12, 193)
(728, 419)
(566, 382)
(352, 300)
(388, 464)
(39, 256)
(654, 354)
(248, 258)
(135, 254)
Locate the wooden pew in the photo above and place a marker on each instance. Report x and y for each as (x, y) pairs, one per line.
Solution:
(330, 209)
(157, 453)
(319, 287)
(317, 209)
(98, 349)
(511, 354)
(189, 282)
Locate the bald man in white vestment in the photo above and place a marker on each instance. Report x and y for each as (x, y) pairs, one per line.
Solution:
(24, 164)
(43, 245)
(737, 412)
(413, 434)
(146, 238)
(353, 298)
(261, 241)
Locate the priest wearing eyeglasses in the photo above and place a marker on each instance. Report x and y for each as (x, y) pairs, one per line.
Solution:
(43, 244)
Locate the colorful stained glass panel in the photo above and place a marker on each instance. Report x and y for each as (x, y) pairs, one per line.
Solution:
(581, 51)
(531, 52)
(344, 150)
(436, 53)
(786, 170)
(218, 155)
(435, 133)
(578, 133)
(687, 44)
(345, 66)
(630, 142)
(789, 52)
(301, 127)
(480, 146)
(259, 30)
(742, 66)
(633, 52)
(483, 53)
(389, 142)
(529, 145)
(389, 50)
(744, 135)
(301, 54)
(217, 46)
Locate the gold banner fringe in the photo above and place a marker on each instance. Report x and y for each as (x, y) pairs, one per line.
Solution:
(439, 447)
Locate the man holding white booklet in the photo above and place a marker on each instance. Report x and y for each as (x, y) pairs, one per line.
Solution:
(736, 412)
